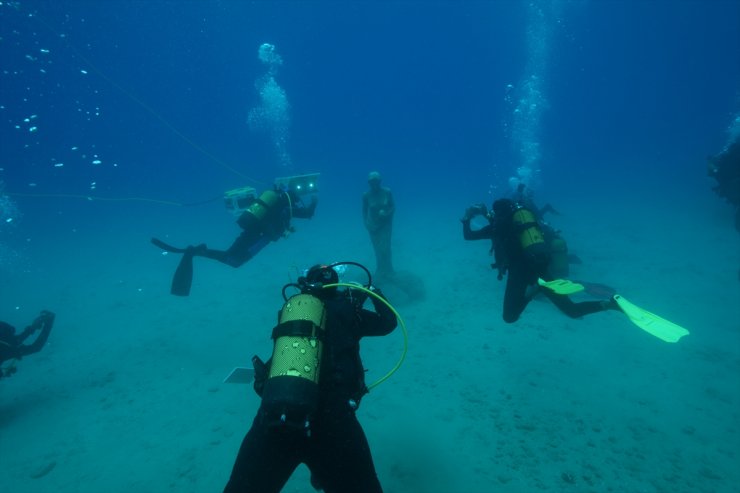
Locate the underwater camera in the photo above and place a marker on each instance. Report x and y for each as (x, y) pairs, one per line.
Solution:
(299, 184)
(239, 199)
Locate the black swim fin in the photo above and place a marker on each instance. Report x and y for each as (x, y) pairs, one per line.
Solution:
(167, 248)
(183, 278)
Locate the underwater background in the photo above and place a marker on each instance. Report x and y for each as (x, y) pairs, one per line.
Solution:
(122, 121)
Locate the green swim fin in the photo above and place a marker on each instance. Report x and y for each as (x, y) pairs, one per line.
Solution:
(561, 286)
(650, 322)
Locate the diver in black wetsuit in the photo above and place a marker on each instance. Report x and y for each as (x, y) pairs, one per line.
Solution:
(725, 169)
(11, 344)
(266, 219)
(522, 253)
(308, 416)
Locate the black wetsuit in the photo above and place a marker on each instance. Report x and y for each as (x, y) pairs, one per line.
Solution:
(336, 451)
(11, 344)
(261, 224)
(725, 168)
(259, 232)
(523, 270)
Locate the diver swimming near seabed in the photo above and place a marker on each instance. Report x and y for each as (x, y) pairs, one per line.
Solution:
(524, 256)
(524, 251)
(263, 219)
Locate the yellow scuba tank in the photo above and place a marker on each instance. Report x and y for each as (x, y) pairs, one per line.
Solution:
(291, 392)
(531, 237)
(259, 209)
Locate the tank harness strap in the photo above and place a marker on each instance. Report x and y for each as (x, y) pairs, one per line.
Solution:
(300, 328)
(525, 226)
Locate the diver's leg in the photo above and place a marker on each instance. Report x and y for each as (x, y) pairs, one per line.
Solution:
(264, 463)
(242, 250)
(573, 309)
(339, 458)
(515, 296)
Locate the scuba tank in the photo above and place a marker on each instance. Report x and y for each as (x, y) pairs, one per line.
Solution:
(291, 392)
(531, 237)
(259, 209)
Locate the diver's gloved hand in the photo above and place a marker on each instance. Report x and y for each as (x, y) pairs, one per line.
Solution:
(474, 210)
(45, 318)
(312, 205)
(376, 290)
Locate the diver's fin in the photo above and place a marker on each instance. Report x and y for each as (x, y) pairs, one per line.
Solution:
(167, 248)
(598, 290)
(650, 322)
(240, 374)
(561, 286)
(183, 278)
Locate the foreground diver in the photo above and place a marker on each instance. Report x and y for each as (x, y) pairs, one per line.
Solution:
(310, 389)
(523, 253)
(266, 219)
(11, 344)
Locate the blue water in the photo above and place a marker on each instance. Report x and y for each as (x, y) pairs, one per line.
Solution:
(117, 117)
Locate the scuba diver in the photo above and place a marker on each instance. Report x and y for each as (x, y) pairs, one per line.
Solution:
(311, 388)
(524, 253)
(11, 344)
(264, 219)
(560, 259)
(377, 213)
(725, 169)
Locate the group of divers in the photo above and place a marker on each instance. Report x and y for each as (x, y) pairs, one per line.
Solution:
(314, 380)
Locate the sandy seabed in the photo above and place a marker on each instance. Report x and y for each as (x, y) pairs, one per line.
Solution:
(128, 394)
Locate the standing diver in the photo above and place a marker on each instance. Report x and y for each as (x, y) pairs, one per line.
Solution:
(523, 254)
(266, 219)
